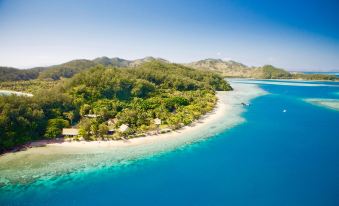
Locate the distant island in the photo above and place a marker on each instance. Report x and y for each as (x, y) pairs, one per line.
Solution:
(235, 69)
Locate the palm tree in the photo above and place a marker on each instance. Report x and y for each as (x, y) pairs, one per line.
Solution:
(69, 115)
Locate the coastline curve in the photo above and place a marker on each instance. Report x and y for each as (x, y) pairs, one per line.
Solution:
(59, 158)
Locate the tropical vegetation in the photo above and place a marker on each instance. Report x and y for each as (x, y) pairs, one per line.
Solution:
(92, 98)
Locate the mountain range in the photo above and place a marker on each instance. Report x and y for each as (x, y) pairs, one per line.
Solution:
(225, 68)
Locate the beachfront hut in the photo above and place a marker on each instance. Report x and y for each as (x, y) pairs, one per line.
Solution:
(157, 121)
(71, 132)
(123, 128)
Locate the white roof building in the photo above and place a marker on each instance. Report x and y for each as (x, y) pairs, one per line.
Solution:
(123, 128)
(157, 121)
(70, 132)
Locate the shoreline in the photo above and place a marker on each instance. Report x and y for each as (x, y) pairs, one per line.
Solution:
(56, 159)
(217, 111)
(61, 142)
(222, 108)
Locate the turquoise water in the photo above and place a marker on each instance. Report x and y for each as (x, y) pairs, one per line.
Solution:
(274, 158)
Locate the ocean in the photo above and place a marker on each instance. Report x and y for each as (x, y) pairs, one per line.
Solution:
(286, 152)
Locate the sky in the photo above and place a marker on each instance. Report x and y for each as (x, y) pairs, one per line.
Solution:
(295, 35)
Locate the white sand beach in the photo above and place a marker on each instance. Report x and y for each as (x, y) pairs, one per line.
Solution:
(222, 108)
(56, 158)
(228, 104)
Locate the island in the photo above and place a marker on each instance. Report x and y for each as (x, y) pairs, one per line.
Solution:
(108, 103)
(113, 98)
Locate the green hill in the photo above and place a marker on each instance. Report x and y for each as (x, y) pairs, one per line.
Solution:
(235, 69)
(66, 70)
(271, 72)
(115, 62)
(225, 68)
(13, 74)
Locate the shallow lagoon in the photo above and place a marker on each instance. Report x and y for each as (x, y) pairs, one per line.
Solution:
(329, 103)
(274, 158)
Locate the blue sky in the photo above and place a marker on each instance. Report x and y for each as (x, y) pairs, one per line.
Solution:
(294, 35)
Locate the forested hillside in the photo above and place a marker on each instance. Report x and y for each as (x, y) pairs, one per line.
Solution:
(66, 70)
(29, 86)
(133, 96)
(235, 69)
(225, 68)
(271, 72)
(13, 74)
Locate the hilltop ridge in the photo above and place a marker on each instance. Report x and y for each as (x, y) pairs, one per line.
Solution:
(225, 68)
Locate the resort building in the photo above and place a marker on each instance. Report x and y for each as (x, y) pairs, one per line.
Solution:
(157, 121)
(123, 128)
(70, 132)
